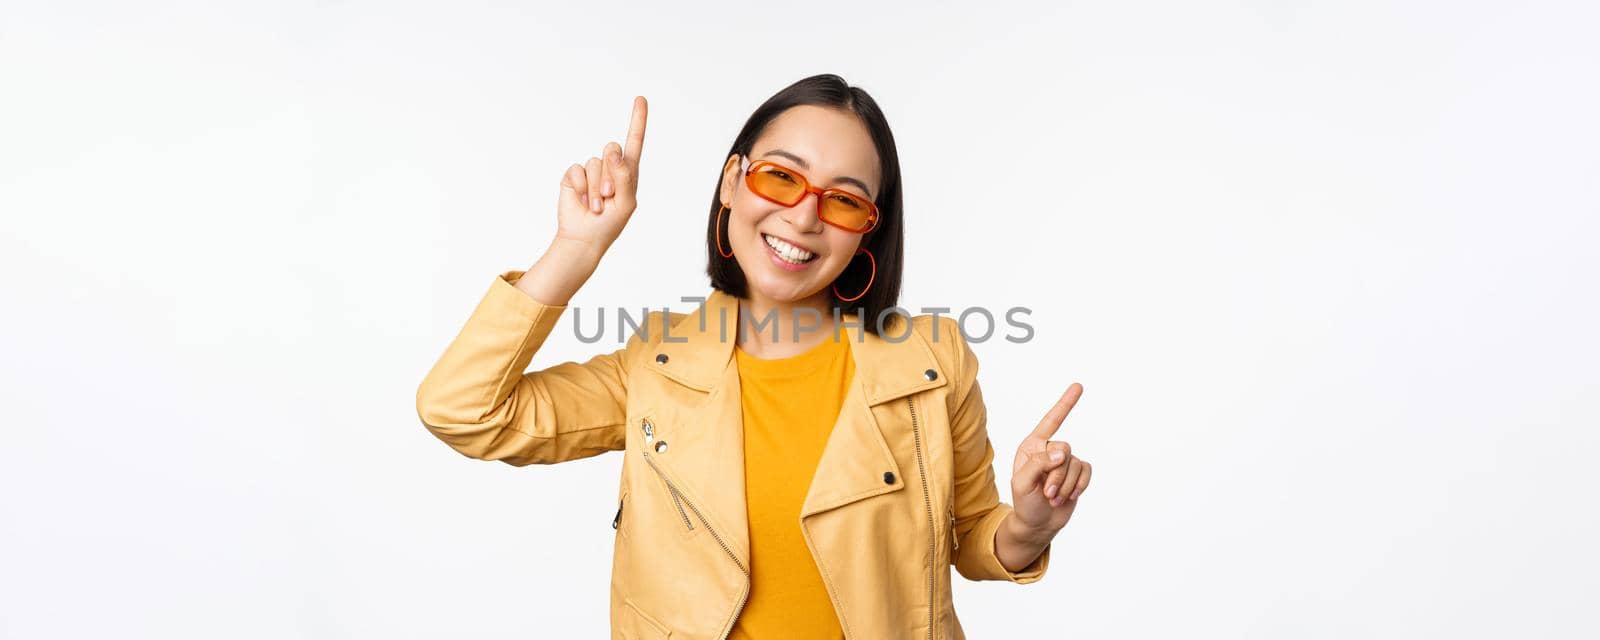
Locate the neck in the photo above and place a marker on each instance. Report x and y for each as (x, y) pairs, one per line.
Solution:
(800, 325)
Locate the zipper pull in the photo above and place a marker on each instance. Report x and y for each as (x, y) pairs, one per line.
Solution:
(617, 520)
(956, 540)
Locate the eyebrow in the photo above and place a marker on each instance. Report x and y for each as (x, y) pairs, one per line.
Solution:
(804, 165)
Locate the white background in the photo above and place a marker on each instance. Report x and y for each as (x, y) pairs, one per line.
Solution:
(1326, 271)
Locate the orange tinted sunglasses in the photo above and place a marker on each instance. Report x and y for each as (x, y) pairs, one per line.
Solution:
(783, 185)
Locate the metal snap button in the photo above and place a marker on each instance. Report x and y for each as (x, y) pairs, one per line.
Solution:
(661, 447)
(661, 358)
(930, 374)
(888, 477)
(648, 429)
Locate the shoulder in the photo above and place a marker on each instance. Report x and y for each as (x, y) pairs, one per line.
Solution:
(942, 334)
(940, 330)
(655, 326)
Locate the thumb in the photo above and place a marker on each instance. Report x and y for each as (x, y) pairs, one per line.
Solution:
(1032, 472)
(572, 195)
(622, 177)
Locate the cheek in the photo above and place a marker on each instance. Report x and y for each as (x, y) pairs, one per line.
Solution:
(840, 253)
(742, 221)
(845, 244)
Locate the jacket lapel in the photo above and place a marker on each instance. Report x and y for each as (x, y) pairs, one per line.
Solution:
(857, 454)
(707, 455)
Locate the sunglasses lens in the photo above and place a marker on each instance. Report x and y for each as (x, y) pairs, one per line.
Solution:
(846, 211)
(774, 182)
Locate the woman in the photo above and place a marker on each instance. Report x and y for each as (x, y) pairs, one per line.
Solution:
(798, 463)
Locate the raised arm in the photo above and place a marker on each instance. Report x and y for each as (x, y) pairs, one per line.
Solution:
(477, 397)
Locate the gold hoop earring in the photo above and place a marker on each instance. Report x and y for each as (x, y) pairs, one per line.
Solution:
(718, 231)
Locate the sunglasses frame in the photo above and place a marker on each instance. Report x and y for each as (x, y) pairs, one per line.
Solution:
(748, 168)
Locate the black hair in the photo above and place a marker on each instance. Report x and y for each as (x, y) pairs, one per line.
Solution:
(885, 241)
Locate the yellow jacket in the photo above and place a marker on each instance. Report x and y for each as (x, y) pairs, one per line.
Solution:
(905, 487)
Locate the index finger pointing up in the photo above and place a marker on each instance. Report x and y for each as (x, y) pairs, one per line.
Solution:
(1052, 419)
(636, 132)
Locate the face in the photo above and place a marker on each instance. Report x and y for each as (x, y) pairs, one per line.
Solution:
(830, 148)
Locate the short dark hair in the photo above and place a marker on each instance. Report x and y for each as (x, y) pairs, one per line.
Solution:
(885, 241)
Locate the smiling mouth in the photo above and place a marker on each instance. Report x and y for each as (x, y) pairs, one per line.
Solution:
(788, 252)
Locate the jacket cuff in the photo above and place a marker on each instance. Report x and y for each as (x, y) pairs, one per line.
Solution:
(505, 309)
(504, 294)
(989, 567)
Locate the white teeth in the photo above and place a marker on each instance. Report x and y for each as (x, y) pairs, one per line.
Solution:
(788, 251)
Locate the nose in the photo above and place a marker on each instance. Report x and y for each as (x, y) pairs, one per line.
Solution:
(804, 215)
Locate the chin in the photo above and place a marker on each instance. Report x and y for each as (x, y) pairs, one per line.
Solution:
(780, 292)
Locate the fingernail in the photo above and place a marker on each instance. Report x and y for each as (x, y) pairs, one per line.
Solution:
(606, 186)
(595, 204)
(1074, 495)
(1056, 456)
(586, 201)
(1050, 491)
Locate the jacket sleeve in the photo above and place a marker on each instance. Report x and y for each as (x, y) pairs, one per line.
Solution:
(977, 507)
(478, 400)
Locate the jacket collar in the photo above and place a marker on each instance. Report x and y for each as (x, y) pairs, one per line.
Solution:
(700, 349)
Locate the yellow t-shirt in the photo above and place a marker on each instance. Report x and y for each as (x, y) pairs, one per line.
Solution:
(789, 406)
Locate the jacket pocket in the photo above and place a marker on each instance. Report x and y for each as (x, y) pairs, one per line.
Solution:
(635, 624)
(649, 439)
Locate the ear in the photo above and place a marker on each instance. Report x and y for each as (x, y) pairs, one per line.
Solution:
(730, 179)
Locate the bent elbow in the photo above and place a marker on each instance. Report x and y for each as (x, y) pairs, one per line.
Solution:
(473, 433)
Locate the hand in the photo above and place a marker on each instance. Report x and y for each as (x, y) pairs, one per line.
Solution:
(597, 197)
(1046, 479)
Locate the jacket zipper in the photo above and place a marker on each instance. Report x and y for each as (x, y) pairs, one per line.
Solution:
(677, 501)
(617, 519)
(927, 503)
(709, 529)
